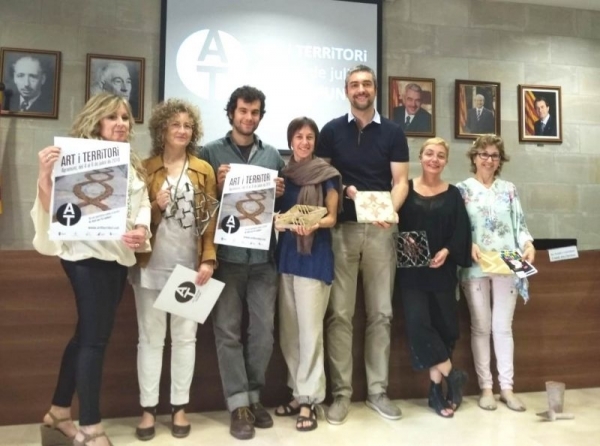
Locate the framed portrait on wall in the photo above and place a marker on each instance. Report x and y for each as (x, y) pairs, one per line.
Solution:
(123, 76)
(477, 108)
(412, 105)
(540, 114)
(32, 81)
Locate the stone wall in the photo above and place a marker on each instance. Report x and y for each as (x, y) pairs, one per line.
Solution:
(442, 39)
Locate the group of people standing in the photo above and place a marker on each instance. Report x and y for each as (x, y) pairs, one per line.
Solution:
(312, 271)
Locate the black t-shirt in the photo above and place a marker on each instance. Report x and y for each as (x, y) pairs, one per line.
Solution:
(363, 157)
(245, 150)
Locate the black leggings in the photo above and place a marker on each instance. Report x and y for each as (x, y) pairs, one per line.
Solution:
(98, 287)
(431, 325)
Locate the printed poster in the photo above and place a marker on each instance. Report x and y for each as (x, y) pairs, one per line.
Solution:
(89, 193)
(247, 207)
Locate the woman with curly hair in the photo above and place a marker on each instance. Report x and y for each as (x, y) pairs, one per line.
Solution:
(97, 271)
(497, 224)
(176, 183)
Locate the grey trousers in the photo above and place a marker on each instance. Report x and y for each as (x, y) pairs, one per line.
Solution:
(372, 250)
(242, 366)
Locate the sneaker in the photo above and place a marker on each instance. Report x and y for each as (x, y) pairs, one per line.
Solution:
(384, 406)
(338, 411)
(262, 419)
(242, 423)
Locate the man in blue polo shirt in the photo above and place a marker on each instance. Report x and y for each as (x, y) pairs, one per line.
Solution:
(371, 153)
(250, 275)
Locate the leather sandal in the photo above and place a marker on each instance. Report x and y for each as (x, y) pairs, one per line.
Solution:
(176, 430)
(146, 433)
(89, 437)
(437, 401)
(312, 419)
(287, 410)
(456, 380)
(52, 435)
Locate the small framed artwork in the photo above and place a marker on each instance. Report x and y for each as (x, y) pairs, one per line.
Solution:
(540, 114)
(32, 80)
(476, 109)
(123, 76)
(412, 105)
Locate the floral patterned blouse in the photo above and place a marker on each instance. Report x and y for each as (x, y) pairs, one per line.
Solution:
(497, 222)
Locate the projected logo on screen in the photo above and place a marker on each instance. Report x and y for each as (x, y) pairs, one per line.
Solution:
(209, 63)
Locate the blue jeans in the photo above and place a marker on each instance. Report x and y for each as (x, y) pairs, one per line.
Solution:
(98, 287)
(242, 366)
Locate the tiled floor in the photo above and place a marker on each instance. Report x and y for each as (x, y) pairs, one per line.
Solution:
(419, 426)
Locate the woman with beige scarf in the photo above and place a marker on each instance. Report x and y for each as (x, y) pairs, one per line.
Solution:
(305, 262)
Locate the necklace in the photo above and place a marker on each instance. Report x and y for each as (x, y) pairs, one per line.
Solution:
(173, 191)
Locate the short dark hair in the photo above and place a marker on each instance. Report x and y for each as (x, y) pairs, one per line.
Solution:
(246, 94)
(296, 124)
(361, 69)
(541, 99)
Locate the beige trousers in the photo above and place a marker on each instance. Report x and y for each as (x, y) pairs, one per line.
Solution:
(302, 306)
(372, 250)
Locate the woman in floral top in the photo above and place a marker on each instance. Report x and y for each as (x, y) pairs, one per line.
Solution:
(497, 223)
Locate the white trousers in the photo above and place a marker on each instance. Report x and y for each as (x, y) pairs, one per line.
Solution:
(302, 306)
(492, 302)
(152, 327)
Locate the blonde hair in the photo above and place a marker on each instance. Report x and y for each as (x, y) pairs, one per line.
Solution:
(87, 122)
(159, 122)
(481, 143)
(433, 142)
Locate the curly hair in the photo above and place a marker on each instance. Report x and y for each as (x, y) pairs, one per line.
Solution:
(87, 123)
(481, 143)
(162, 113)
(246, 94)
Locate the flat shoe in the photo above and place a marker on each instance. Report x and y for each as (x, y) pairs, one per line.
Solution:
(487, 402)
(513, 403)
(287, 410)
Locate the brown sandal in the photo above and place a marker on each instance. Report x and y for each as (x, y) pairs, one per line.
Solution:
(52, 435)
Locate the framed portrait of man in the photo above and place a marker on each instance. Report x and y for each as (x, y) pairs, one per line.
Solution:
(123, 76)
(412, 105)
(540, 114)
(32, 80)
(477, 108)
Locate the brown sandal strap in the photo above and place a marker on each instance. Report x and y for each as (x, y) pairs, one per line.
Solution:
(56, 421)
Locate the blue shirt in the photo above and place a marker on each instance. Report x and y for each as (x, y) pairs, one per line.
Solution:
(362, 156)
(319, 263)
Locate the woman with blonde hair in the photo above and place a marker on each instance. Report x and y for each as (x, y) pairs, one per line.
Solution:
(97, 271)
(435, 208)
(498, 224)
(180, 186)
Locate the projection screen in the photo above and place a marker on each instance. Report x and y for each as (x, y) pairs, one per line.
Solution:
(296, 52)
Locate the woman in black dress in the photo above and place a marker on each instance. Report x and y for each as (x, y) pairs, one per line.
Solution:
(428, 292)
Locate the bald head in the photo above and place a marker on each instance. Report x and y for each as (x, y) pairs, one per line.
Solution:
(29, 77)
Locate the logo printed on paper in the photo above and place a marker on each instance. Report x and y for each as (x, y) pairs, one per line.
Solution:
(230, 224)
(185, 292)
(68, 214)
(210, 63)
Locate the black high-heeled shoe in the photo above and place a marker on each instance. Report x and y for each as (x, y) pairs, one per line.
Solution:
(456, 380)
(176, 430)
(437, 401)
(147, 433)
